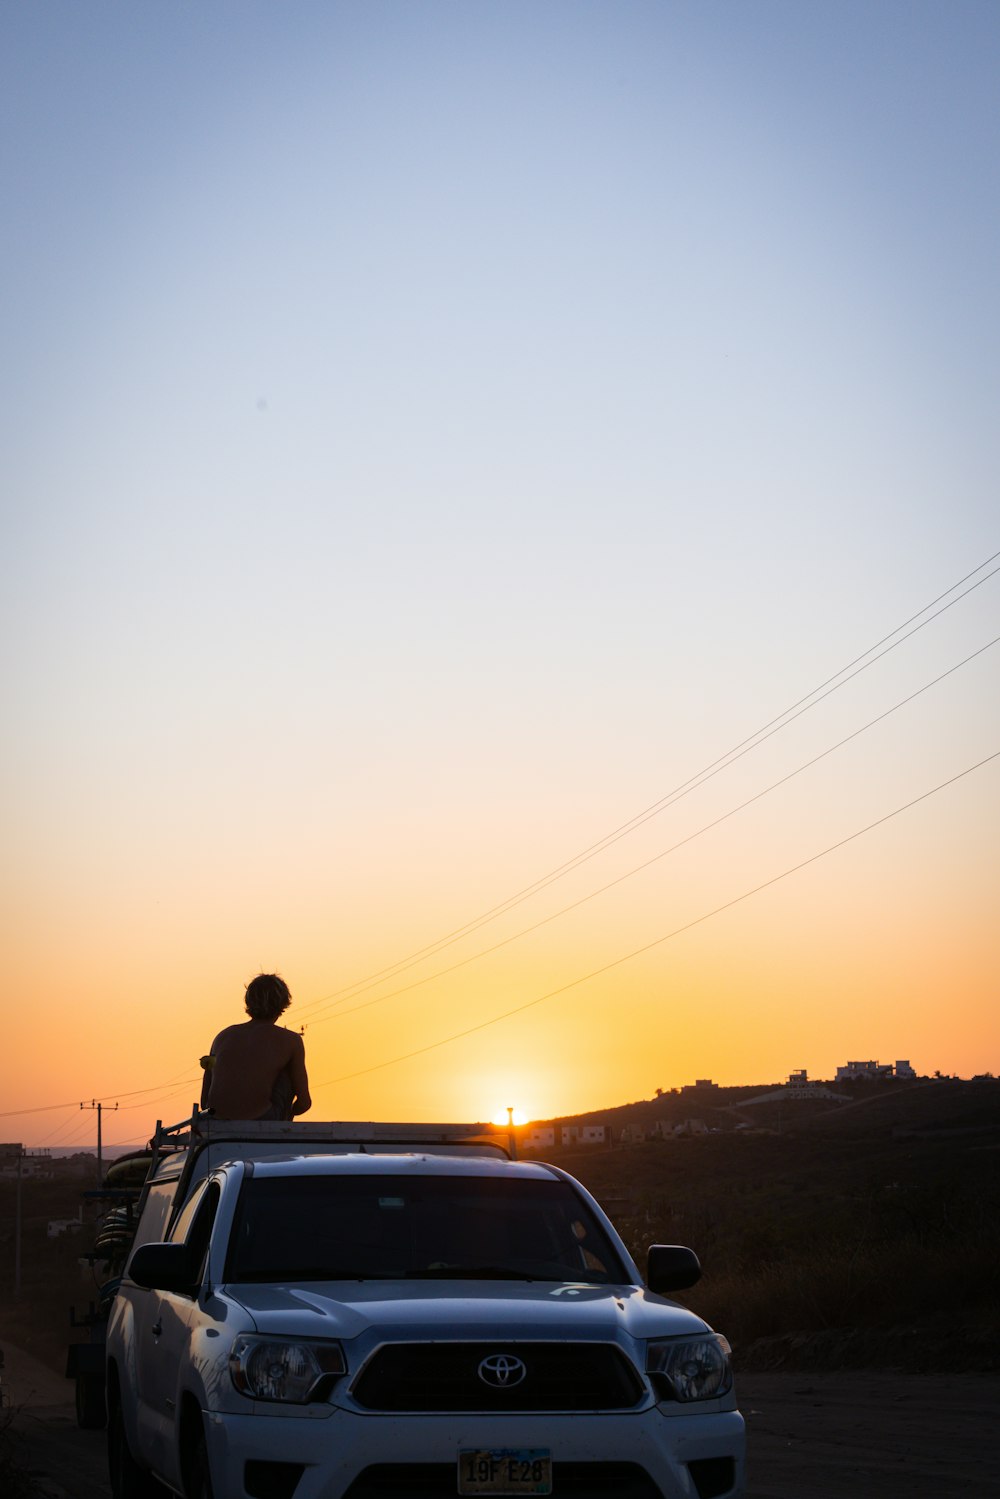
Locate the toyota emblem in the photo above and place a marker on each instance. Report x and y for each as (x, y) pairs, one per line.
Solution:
(502, 1371)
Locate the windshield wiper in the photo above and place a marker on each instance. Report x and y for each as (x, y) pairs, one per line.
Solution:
(286, 1276)
(471, 1272)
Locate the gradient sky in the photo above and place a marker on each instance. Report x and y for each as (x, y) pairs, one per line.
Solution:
(434, 432)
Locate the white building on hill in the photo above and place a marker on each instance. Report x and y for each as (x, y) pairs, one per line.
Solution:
(583, 1134)
(853, 1070)
(543, 1136)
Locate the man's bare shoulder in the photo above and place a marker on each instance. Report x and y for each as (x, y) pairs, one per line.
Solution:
(228, 1030)
(230, 1033)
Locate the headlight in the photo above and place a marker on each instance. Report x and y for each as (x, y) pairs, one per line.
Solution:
(284, 1369)
(690, 1368)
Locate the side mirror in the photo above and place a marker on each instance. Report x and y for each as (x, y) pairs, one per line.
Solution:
(164, 1267)
(671, 1267)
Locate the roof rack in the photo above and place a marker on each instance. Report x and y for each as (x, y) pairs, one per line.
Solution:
(200, 1128)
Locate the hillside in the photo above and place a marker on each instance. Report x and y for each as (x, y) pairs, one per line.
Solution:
(858, 1234)
(867, 1107)
(861, 1233)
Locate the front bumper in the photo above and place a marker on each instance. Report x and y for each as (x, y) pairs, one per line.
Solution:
(343, 1450)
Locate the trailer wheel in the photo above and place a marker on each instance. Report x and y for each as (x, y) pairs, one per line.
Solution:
(91, 1413)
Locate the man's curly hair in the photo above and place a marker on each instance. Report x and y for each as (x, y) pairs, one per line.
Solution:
(267, 997)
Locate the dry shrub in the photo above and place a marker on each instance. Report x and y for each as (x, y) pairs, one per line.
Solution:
(15, 1481)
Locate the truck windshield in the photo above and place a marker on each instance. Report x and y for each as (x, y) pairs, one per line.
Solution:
(387, 1227)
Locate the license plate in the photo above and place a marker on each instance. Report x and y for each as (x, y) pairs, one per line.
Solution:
(505, 1470)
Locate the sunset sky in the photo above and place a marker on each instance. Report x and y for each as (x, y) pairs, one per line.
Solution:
(437, 433)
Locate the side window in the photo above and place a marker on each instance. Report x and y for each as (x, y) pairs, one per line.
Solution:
(155, 1213)
(182, 1222)
(194, 1222)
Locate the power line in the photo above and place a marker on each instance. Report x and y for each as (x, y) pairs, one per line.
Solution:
(647, 863)
(759, 736)
(77, 1134)
(658, 941)
(47, 1108)
(80, 1129)
(141, 1144)
(66, 1127)
(752, 741)
(148, 1103)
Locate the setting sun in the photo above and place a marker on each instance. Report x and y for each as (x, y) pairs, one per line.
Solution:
(509, 1115)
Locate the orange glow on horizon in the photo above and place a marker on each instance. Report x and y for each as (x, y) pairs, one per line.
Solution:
(517, 1117)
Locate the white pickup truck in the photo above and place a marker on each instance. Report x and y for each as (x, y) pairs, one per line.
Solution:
(371, 1311)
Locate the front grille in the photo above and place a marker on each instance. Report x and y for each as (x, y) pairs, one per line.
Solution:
(569, 1481)
(445, 1377)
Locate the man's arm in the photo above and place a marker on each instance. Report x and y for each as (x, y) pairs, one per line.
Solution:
(208, 1063)
(301, 1102)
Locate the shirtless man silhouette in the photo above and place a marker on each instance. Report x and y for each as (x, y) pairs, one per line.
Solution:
(257, 1069)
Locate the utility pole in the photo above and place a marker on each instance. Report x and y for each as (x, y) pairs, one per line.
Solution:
(17, 1230)
(99, 1106)
(511, 1133)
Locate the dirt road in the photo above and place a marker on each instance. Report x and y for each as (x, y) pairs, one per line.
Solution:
(68, 1462)
(811, 1436)
(871, 1436)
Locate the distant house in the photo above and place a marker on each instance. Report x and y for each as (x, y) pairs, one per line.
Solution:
(16, 1161)
(583, 1134)
(853, 1070)
(701, 1085)
(10, 1155)
(60, 1226)
(543, 1136)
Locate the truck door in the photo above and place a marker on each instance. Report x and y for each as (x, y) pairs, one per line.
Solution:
(144, 1311)
(169, 1319)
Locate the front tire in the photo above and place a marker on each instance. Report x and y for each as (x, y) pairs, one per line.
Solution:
(199, 1483)
(128, 1479)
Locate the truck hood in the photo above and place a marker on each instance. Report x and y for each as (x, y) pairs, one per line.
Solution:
(419, 1311)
